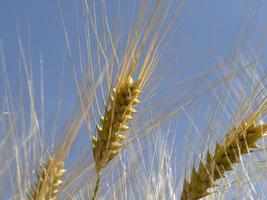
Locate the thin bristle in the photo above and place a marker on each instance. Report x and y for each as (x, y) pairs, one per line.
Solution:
(49, 180)
(222, 160)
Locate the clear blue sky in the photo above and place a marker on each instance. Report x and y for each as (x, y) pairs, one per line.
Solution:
(208, 31)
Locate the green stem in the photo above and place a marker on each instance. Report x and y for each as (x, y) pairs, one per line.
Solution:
(96, 186)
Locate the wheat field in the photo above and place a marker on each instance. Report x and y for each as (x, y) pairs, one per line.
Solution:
(143, 99)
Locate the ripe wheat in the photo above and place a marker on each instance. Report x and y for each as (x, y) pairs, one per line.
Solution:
(127, 80)
(238, 141)
(49, 180)
(111, 132)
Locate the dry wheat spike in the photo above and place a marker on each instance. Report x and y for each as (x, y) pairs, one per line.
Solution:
(118, 111)
(238, 141)
(49, 180)
(139, 61)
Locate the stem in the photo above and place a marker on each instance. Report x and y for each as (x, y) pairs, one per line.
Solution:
(96, 186)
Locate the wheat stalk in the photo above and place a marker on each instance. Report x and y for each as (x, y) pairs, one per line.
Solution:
(49, 180)
(50, 176)
(239, 141)
(145, 41)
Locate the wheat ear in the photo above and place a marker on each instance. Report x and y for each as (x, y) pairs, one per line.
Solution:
(49, 180)
(113, 126)
(239, 141)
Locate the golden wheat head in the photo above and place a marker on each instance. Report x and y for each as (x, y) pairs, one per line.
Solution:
(111, 131)
(49, 180)
(239, 141)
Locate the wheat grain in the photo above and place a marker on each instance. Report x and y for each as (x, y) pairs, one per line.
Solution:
(139, 60)
(118, 111)
(49, 180)
(111, 132)
(238, 141)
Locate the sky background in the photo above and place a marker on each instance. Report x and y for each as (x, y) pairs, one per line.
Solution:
(206, 32)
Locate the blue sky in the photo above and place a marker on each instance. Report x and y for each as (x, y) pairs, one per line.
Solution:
(208, 31)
